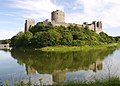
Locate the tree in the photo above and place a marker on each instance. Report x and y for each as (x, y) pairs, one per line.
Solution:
(67, 38)
(22, 39)
(19, 39)
(6, 41)
(27, 38)
(42, 36)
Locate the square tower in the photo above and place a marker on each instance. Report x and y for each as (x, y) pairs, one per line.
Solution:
(29, 23)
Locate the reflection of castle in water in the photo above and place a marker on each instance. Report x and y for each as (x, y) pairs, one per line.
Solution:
(59, 67)
(96, 66)
(36, 78)
(59, 76)
(30, 70)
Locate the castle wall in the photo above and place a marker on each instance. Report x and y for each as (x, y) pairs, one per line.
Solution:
(91, 26)
(95, 26)
(64, 24)
(46, 23)
(60, 24)
(29, 24)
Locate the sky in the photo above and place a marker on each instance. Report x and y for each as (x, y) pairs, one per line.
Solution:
(13, 13)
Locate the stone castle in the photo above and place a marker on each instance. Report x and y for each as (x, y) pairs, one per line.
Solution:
(58, 19)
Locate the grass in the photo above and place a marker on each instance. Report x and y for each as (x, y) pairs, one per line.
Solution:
(112, 82)
(76, 48)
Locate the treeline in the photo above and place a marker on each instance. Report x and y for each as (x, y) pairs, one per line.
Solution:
(42, 36)
(6, 41)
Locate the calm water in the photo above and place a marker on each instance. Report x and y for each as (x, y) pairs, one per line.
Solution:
(49, 68)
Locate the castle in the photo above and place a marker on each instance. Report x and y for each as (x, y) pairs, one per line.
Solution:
(58, 19)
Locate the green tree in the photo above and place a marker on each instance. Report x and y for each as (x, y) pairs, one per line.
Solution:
(6, 41)
(67, 38)
(42, 36)
(22, 39)
(19, 39)
(27, 38)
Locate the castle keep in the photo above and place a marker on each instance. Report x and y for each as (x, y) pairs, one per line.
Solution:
(58, 16)
(58, 19)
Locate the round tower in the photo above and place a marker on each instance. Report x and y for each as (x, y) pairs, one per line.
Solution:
(58, 16)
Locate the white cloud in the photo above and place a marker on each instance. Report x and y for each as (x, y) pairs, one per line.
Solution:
(7, 14)
(35, 8)
(104, 10)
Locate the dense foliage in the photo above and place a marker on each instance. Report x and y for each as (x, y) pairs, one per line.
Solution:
(42, 36)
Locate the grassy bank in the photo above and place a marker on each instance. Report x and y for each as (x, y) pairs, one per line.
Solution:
(111, 82)
(76, 48)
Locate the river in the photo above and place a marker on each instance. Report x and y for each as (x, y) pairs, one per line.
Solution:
(58, 67)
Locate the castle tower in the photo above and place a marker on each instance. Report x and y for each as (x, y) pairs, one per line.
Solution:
(29, 24)
(99, 27)
(58, 16)
(95, 25)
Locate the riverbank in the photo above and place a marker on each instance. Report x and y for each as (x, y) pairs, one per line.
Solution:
(111, 82)
(77, 48)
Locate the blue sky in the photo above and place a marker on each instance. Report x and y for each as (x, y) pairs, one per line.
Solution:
(14, 12)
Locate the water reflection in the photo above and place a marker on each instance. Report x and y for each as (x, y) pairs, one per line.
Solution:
(61, 67)
(30, 70)
(59, 76)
